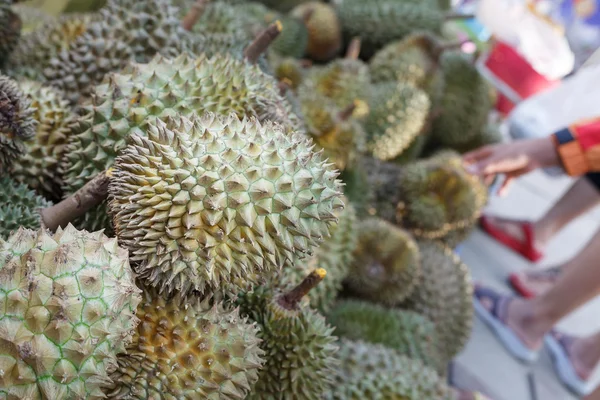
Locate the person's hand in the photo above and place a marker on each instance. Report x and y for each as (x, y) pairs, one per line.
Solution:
(511, 159)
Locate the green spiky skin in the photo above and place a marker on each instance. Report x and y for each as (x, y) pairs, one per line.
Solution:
(334, 255)
(444, 295)
(293, 39)
(287, 69)
(380, 22)
(223, 198)
(282, 5)
(80, 6)
(398, 114)
(38, 47)
(38, 167)
(380, 191)
(299, 347)
(71, 297)
(465, 103)
(186, 349)
(490, 134)
(409, 333)
(164, 87)
(324, 30)
(10, 31)
(19, 206)
(387, 264)
(373, 371)
(17, 123)
(127, 30)
(356, 187)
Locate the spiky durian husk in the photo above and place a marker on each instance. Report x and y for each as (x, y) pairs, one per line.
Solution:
(127, 30)
(10, 31)
(38, 47)
(280, 5)
(184, 349)
(299, 347)
(31, 17)
(334, 255)
(373, 371)
(38, 167)
(379, 22)
(324, 30)
(223, 199)
(444, 295)
(71, 311)
(19, 206)
(164, 87)
(411, 334)
(490, 134)
(17, 123)
(293, 39)
(398, 115)
(387, 264)
(465, 102)
(287, 69)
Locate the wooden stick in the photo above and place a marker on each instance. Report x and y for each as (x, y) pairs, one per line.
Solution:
(262, 42)
(194, 14)
(347, 112)
(353, 50)
(291, 299)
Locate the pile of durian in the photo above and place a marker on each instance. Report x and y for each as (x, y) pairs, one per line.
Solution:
(231, 199)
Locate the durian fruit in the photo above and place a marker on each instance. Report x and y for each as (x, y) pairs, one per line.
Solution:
(379, 22)
(17, 123)
(411, 334)
(324, 30)
(398, 116)
(164, 87)
(373, 371)
(334, 255)
(201, 203)
(293, 40)
(465, 103)
(127, 30)
(334, 130)
(298, 343)
(69, 310)
(386, 265)
(186, 349)
(38, 167)
(288, 69)
(10, 31)
(279, 5)
(444, 295)
(356, 187)
(490, 134)
(18, 207)
(31, 17)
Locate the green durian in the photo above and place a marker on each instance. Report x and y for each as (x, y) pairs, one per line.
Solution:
(293, 40)
(324, 30)
(298, 343)
(398, 115)
(10, 31)
(31, 17)
(186, 349)
(334, 255)
(69, 310)
(127, 30)
(17, 123)
(164, 87)
(281, 5)
(444, 295)
(39, 166)
(387, 263)
(373, 371)
(356, 187)
(411, 334)
(201, 203)
(19, 207)
(288, 69)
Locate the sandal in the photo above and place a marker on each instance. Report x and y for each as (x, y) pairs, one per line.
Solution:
(558, 344)
(525, 248)
(495, 319)
(521, 287)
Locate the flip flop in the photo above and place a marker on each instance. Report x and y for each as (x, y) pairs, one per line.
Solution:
(521, 288)
(563, 366)
(526, 249)
(494, 319)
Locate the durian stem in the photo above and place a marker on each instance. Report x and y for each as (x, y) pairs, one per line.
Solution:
(284, 85)
(194, 14)
(347, 112)
(353, 50)
(262, 42)
(76, 205)
(307, 14)
(458, 16)
(290, 300)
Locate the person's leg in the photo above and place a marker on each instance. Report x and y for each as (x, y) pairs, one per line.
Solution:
(595, 395)
(583, 195)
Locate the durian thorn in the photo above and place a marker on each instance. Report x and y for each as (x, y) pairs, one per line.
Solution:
(284, 85)
(347, 112)
(458, 16)
(194, 14)
(76, 205)
(262, 42)
(353, 50)
(291, 299)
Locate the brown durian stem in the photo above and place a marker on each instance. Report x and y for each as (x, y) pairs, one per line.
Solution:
(353, 50)
(194, 14)
(290, 300)
(459, 16)
(74, 206)
(347, 112)
(284, 85)
(262, 42)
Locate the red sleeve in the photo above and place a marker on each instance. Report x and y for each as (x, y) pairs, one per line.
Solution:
(579, 147)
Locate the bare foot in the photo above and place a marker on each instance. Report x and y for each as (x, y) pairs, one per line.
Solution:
(578, 351)
(538, 282)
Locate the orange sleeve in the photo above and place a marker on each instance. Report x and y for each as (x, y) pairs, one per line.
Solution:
(579, 147)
